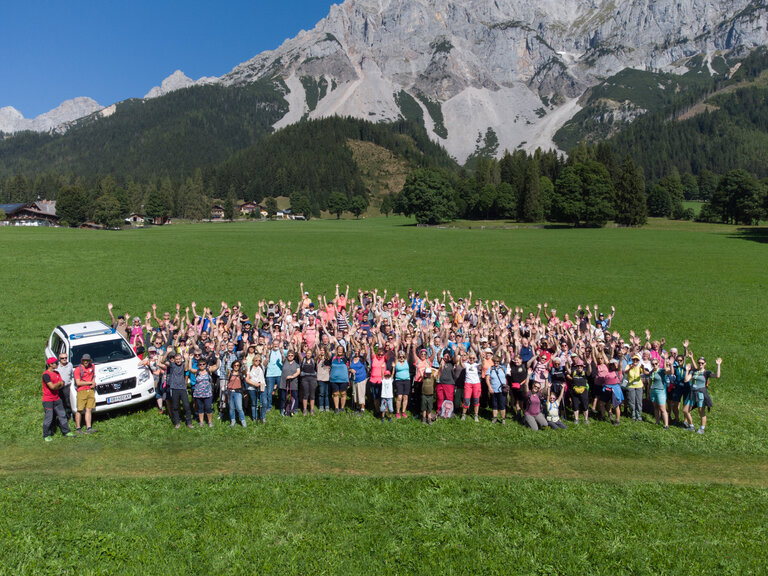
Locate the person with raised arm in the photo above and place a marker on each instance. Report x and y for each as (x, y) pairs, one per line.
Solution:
(657, 379)
(698, 376)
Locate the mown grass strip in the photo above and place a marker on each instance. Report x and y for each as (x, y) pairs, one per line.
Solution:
(310, 459)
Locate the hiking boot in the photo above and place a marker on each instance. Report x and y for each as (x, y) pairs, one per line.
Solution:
(477, 418)
(463, 416)
(191, 426)
(503, 421)
(244, 424)
(177, 426)
(493, 421)
(700, 430)
(210, 424)
(90, 431)
(70, 435)
(48, 438)
(616, 423)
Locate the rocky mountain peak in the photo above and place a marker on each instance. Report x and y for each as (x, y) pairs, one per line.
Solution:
(475, 67)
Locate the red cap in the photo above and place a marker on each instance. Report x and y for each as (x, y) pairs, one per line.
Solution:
(52, 361)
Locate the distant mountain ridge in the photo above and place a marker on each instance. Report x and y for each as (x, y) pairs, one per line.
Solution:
(482, 75)
(11, 120)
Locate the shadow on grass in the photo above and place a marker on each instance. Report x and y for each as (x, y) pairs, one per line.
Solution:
(754, 234)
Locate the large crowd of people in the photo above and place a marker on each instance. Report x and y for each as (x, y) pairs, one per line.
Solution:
(395, 357)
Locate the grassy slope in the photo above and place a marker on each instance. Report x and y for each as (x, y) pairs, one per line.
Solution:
(608, 514)
(331, 525)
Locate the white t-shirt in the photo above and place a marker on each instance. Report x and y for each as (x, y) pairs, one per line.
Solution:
(386, 387)
(472, 372)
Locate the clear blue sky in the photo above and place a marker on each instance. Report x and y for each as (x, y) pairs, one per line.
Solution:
(51, 50)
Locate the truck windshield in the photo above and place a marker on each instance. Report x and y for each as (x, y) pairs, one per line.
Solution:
(105, 351)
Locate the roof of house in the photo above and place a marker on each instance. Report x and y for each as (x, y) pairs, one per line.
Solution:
(11, 208)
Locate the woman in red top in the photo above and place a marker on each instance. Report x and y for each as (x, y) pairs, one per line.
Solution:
(52, 404)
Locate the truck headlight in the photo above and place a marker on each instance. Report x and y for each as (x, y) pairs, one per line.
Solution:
(144, 376)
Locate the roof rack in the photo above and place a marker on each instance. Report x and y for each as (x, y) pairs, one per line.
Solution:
(80, 335)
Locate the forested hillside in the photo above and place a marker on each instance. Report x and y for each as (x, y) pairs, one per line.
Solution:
(314, 157)
(169, 136)
(688, 123)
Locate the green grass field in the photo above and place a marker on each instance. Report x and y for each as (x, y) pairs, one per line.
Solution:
(336, 494)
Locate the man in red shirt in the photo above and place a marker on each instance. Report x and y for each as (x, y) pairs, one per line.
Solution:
(52, 404)
(85, 380)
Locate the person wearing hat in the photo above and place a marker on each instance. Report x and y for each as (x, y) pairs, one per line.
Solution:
(85, 380)
(634, 372)
(579, 386)
(304, 298)
(52, 404)
(496, 380)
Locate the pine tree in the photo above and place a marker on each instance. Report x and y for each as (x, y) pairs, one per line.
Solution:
(568, 204)
(230, 204)
(107, 211)
(631, 207)
(386, 205)
(70, 206)
(533, 209)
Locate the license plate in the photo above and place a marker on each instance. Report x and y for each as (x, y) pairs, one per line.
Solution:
(121, 398)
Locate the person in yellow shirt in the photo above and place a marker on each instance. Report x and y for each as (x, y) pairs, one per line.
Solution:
(634, 372)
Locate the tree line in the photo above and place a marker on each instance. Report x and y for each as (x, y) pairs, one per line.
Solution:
(588, 189)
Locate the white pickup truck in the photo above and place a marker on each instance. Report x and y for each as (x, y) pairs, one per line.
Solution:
(121, 379)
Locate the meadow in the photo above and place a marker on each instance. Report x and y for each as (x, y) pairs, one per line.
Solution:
(336, 494)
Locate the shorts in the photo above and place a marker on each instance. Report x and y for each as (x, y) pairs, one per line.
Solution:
(159, 392)
(606, 396)
(659, 396)
(339, 387)
(677, 394)
(204, 405)
(402, 387)
(694, 398)
(427, 402)
(86, 400)
(471, 391)
(517, 394)
(580, 401)
(498, 401)
(387, 405)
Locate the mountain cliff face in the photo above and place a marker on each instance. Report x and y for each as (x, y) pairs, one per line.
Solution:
(506, 67)
(481, 74)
